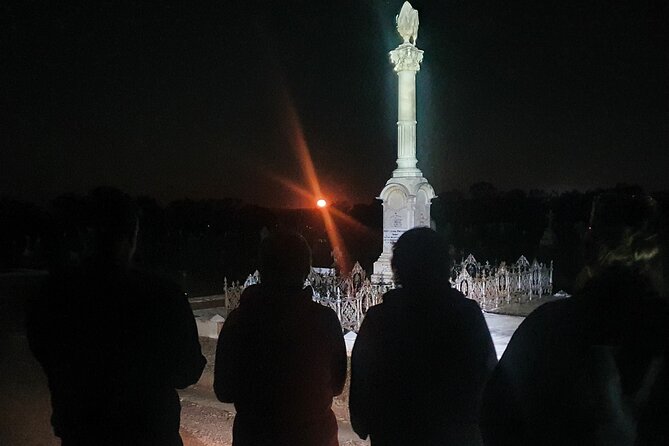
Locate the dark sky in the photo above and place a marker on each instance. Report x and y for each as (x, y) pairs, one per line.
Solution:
(176, 99)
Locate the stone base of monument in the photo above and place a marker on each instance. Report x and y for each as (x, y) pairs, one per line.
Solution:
(382, 272)
(406, 205)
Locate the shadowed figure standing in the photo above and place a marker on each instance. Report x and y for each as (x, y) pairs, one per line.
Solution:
(281, 357)
(591, 369)
(114, 342)
(422, 357)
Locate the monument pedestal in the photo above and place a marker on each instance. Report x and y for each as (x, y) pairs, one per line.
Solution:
(406, 205)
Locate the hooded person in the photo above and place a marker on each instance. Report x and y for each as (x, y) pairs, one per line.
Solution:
(422, 356)
(115, 342)
(281, 357)
(591, 369)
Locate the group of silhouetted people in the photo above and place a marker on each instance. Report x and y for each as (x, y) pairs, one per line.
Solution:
(115, 343)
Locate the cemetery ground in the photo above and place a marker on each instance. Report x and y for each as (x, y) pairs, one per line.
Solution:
(25, 407)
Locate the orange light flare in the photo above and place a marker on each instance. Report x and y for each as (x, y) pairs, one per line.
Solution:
(321, 203)
(299, 144)
(347, 220)
(338, 248)
(328, 213)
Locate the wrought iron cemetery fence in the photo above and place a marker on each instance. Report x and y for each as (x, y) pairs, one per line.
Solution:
(495, 286)
(351, 296)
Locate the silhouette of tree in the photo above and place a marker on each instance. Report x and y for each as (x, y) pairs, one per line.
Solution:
(481, 190)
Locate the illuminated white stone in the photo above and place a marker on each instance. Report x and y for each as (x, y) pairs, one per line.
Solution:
(349, 340)
(407, 23)
(407, 195)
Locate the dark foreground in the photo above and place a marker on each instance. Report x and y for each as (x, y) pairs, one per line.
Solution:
(25, 405)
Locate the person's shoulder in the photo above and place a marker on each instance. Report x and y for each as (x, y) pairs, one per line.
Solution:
(549, 319)
(459, 299)
(394, 298)
(375, 311)
(551, 310)
(318, 308)
(328, 319)
(391, 298)
(455, 299)
(389, 308)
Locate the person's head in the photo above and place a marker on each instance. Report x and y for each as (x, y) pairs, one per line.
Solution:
(285, 260)
(113, 225)
(421, 260)
(624, 234)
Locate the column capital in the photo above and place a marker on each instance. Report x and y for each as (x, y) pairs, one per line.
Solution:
(406, 57)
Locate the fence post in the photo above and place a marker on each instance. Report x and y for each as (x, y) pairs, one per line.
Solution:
(338, 297)
(227, 299)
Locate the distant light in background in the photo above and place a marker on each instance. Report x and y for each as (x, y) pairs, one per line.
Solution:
(351, 224)
(321, 203)
(299, 144)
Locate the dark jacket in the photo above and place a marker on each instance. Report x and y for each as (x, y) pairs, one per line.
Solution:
(281, 359)
(418, 368)
(114, 345)
(589, 370)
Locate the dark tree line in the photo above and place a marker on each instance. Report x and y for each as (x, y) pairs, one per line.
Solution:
(501, 226)
(199, 242)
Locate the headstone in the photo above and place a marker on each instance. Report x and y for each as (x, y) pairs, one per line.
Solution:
(349, 340)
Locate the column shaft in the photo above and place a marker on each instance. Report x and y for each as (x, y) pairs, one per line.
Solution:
(406, 120)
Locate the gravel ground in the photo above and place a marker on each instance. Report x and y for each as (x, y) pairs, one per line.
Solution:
(204, 425)
(524, 309)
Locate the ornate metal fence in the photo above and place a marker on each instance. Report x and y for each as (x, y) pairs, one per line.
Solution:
(495, 286)
(351, 296)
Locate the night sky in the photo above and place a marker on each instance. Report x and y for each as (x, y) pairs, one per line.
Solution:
(191, 99)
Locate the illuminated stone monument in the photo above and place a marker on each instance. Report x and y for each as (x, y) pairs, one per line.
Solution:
(407, 195)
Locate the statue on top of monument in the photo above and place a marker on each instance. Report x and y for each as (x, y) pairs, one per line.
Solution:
(407, 23)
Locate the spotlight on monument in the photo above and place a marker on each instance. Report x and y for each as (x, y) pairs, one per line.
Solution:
(321, 203)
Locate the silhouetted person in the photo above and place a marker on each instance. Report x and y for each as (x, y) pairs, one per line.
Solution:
(591, 369)
(114, 342)
(422, 357)
(281, 357)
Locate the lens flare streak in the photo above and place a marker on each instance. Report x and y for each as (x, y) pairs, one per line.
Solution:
(299, 144)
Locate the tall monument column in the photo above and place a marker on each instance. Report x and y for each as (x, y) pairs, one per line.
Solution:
(406, 59)
(407, 195)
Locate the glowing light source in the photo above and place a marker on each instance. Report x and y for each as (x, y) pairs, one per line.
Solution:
(299, 144)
